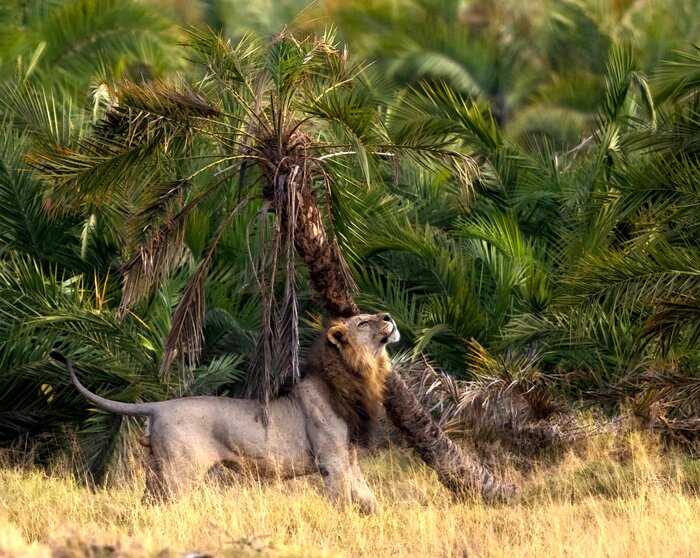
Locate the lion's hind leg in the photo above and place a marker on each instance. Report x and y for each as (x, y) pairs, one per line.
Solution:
(174, 466)
(156, 489)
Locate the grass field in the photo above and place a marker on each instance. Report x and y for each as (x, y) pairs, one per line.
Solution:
(614, 497)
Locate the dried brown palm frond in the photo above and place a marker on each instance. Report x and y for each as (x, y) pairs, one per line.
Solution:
(515, 372)
(666, 401)
(155, 110)
(518, 414)
(675, 320)
(154, 260)
(185, 337)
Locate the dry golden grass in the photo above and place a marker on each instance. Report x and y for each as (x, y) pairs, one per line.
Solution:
(613, 498)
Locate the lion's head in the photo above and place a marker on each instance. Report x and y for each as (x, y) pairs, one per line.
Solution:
(369, 332)
(351, 358)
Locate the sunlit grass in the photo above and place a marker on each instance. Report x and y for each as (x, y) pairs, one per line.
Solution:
(621, 499)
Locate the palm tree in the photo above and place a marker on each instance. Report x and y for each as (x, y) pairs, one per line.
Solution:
(287, 117)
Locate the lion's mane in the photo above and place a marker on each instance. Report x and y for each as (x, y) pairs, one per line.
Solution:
(355, 378)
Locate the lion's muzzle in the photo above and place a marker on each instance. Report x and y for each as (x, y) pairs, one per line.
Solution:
(389, 331)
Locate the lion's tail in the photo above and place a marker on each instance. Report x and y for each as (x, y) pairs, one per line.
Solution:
(130, 409)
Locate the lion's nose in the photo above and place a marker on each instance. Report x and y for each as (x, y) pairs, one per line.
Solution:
(387, 318)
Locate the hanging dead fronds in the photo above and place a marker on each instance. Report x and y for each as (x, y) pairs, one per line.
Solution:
(153, 261)
(665, 401)
(185, 337)
(276, 359)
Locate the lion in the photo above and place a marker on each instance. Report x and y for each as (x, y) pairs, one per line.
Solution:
(316, 427)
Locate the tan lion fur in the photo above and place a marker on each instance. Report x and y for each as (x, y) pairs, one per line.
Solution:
(312, 428)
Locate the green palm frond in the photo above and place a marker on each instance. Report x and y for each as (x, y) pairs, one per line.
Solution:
(460, 117)
(627, 279)
(47, 118)
(597, 346)
(617, 82)
(675, 324)
(679, 78)
(501, 231)
(666, 185)
(79, 36)
(219, 374)
(24, 226)
(653, 284)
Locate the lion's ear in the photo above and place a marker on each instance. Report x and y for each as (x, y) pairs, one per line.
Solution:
(337, 335)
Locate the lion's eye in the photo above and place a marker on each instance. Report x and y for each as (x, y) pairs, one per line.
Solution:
(362, 324)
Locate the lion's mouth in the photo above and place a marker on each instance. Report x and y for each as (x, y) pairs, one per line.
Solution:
(387, 333)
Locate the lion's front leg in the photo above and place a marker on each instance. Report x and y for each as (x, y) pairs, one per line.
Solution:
(330, 449)
(337, 463)
(362, 494)
(334, 467)
(328, 438)
(341, 473)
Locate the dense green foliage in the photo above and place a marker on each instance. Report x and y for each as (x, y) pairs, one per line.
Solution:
(541, 204)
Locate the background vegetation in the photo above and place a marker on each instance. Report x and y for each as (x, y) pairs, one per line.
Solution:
(559, 257)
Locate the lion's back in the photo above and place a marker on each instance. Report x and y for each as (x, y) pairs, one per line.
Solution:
(236, 430)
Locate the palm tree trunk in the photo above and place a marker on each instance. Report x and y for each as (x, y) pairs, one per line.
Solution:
(328, 273)
(461, 475)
